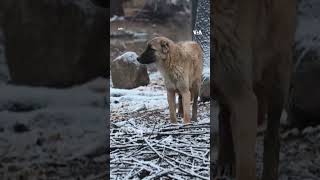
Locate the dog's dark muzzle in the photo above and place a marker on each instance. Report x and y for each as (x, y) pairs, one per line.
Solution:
(147, 57)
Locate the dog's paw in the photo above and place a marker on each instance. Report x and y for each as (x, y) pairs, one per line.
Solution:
(173, 121)
(225, 172)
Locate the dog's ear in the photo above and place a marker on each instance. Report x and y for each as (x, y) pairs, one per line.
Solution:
(164, 46)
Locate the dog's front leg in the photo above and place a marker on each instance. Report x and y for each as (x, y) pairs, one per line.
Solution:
(180, 108)
(186, 106)
(172, 105)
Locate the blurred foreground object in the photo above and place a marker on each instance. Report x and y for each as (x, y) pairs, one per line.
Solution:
(54, 43)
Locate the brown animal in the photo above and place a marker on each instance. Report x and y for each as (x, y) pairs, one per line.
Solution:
(181, 66)
(251, 73)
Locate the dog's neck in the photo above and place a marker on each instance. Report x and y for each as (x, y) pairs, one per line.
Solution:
(172, 66)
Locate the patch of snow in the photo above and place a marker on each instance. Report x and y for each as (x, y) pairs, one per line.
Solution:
(140, 35)
(137, 137)
(116, 18)
(74, 116)
(129, 57)
(149, 97)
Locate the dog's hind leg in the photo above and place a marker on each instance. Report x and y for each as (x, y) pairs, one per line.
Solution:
(244, 127)
(226, 158)
(180, 107)
(195, 93)
(172, 105)
(277, 96)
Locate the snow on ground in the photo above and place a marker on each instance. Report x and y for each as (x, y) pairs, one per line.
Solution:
(143, 142)
(152, 96)
(116, 18)
(40, 127)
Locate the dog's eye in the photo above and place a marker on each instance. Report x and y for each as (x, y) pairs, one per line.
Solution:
(151, 48)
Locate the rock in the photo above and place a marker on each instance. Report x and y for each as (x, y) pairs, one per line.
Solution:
(304, 96)
(164, 9)
(304, 99)
(140, 108)
(54, 43)
(205, 88)
(127, 72)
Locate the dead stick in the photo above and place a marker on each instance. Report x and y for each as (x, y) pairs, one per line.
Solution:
(172, 164)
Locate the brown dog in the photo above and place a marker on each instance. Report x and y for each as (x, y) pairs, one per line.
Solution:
(181, 66)
(252, 65)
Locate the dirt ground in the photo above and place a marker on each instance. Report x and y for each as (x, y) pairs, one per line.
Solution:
(299, 151)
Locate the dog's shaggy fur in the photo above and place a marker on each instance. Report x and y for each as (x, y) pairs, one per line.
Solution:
(181, 66)
(253, 42)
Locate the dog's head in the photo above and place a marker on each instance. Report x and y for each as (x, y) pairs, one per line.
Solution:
(157, 50)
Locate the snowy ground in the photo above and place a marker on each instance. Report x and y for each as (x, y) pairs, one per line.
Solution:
(145, 145)
(148, 97)
(48, 133)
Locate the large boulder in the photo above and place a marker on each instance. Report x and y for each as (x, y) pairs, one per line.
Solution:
(127, 72)
(54, 43)
(159, 9)
(304, 99)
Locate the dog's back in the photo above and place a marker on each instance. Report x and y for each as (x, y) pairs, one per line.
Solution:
(195, 55)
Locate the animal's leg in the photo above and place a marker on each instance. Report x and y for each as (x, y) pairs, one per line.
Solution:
(278, 94)
(180, 107)
(195, 93)
(262, 104)
(225, 148)
(172, 105)
(244, 128)
(271, 139)
(186, 106)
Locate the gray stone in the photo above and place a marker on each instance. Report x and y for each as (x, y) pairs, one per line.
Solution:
(127, 72)
(304, 99)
